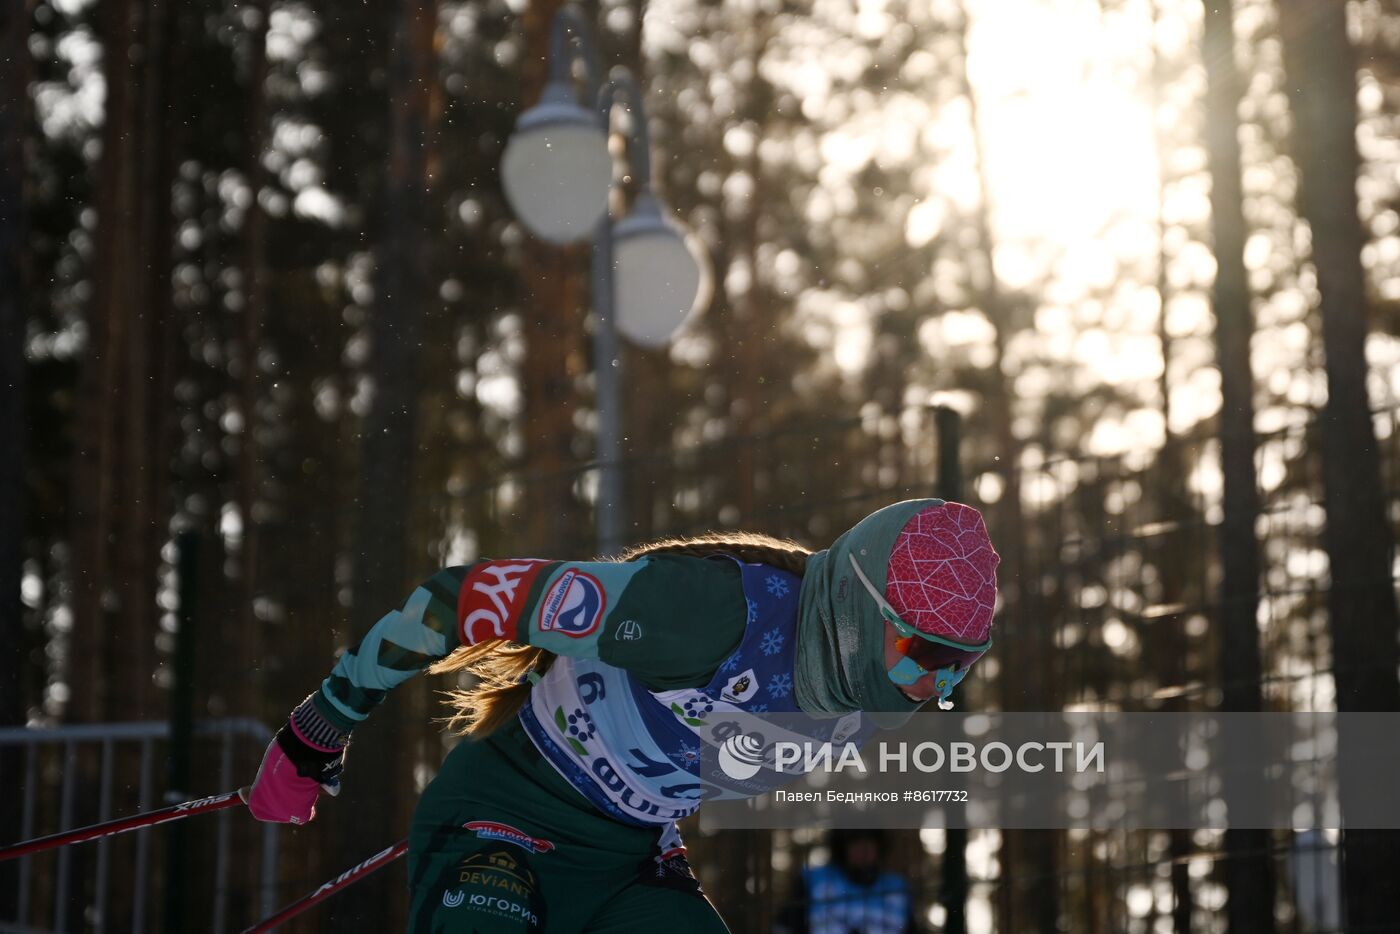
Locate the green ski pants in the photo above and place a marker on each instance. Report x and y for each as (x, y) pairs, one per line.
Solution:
(500, 842)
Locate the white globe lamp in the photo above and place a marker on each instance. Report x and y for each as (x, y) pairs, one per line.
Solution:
(659, 274)
(556, 169)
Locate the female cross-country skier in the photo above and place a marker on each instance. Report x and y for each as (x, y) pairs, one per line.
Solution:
(598, 681)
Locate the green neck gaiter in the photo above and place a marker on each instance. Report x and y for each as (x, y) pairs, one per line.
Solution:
(840, 632)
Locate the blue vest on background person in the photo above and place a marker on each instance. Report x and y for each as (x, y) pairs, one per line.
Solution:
(838, 905)
(635, 753)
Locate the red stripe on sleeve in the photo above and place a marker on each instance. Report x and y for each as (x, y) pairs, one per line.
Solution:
(491, 602)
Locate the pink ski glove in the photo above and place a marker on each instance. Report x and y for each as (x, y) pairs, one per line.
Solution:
(295, 770)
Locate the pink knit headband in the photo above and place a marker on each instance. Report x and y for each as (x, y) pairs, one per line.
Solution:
(942, 574)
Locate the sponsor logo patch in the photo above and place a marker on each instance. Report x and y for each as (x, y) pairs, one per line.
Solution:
(740, 687)
(629, 631)
(499, 884)
(497, 870)
(573, 605)
(453, 899)
(492, 596)
(495, 830)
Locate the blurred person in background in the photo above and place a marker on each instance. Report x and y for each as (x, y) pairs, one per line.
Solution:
(852, 893)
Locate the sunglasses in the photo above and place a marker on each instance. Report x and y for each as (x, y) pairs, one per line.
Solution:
(922, 653)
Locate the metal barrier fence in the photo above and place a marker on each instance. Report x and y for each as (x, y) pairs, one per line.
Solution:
(84, 768)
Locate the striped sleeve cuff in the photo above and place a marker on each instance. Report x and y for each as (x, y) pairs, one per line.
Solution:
(315, 730)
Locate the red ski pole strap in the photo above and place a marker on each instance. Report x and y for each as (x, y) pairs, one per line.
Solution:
(122, 824)
(346, 879)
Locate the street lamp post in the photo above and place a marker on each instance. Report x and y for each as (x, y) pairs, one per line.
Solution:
(647, 275)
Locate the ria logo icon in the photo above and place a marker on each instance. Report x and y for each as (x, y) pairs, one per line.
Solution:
(741, 756)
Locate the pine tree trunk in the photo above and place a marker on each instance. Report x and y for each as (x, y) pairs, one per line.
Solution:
(149, 361)
(120, 501)
(1248, 866)
(92, 512)
(1029, 898)
(383, 792)
(14, 296)
(1175, 511)
(954, 883)
(255, 298)
(1321, 67)
(14, 125)
(554, 352)
(121, 479)
(752, 314)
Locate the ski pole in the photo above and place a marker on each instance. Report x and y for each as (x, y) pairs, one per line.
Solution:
(122, 824)
(346, 879)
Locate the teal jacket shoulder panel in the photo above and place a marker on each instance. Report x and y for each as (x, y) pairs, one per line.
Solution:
(401, 644)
